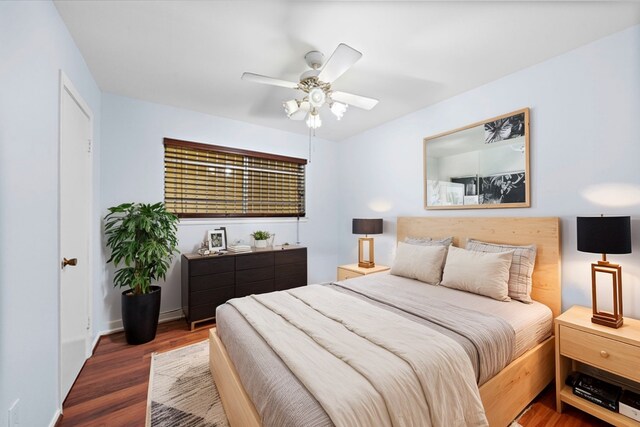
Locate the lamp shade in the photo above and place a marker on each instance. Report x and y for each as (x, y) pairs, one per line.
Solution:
(367, 226)
(604, 235)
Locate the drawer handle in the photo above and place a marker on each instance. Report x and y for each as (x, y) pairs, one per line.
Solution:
(604, 354)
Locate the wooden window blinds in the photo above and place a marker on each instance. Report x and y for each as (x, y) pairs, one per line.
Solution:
(206, 181)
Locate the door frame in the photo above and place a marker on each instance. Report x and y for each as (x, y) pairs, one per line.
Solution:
(67, 86)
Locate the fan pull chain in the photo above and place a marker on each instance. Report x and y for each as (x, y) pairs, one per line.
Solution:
(314, 134)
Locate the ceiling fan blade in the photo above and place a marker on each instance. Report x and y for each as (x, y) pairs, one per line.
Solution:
(257, 78)
(354, 100)
(341, 60)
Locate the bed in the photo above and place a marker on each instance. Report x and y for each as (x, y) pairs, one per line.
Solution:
(503, 395)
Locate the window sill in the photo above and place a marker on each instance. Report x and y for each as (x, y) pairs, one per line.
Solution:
(226, 221)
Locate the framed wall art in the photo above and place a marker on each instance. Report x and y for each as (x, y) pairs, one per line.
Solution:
(482, 165)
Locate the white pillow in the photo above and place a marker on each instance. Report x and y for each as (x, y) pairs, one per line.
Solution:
(521, 271)
(419, 262)
(483, 273)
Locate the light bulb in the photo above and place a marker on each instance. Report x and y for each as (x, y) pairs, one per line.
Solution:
(317, 97)
(338, 109)
(290, 107)
(313, 121)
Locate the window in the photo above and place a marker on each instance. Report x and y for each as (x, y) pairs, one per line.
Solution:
(202, 180)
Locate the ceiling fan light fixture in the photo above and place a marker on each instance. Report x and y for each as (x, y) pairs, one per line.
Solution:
(338, 109)
(317, 97)
(313, 121)
(290, 107)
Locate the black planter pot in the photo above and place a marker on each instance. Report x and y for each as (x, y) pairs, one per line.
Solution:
(140, 315)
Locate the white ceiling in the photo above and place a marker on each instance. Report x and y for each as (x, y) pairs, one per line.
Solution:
(191, 54)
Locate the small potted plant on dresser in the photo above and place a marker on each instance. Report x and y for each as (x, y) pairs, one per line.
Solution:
(261, 238)
(143, 238)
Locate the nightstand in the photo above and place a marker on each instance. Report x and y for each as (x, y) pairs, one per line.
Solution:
(349, 271)
(612, 350)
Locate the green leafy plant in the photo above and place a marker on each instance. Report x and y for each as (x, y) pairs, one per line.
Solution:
(261, 235)
(143, 238)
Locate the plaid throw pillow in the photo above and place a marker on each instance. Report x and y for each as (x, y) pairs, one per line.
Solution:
(524, 258)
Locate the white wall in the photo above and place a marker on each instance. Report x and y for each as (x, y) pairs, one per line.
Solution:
(132, 170)
(585, 138)
(34, 46)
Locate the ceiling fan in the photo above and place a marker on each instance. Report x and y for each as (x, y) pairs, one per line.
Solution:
(316, 83)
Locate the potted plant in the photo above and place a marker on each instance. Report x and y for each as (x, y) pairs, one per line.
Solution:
(143, 238)
(261, 238)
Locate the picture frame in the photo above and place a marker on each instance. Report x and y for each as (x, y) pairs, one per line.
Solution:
(482, 165)
(217, 239)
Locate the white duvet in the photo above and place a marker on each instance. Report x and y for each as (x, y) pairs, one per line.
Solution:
(365, 365)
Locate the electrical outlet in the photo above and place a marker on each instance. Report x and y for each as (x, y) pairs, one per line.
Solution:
(14, 414)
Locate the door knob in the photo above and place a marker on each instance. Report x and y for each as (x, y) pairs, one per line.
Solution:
(72, 261)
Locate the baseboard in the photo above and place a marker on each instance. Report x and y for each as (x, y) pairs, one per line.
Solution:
(95, 343)
(167, 316)
(55, 419)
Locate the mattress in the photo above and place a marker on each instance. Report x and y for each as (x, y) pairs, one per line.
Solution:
(281, 400)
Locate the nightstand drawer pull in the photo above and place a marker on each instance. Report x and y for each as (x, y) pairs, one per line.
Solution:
(604, 354)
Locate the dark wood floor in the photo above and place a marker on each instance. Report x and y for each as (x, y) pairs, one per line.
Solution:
(112, 387)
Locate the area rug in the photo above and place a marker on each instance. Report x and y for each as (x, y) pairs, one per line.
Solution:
(182, 391)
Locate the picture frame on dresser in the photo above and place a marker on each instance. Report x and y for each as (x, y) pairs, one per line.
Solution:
(217, 239)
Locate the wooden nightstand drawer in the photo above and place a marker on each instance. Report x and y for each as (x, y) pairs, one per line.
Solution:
(349, 271)
(604, 353)
(346, 274)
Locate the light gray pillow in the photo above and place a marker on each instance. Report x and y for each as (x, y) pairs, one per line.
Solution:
(524, 259)
(483, 273)
(423, 263)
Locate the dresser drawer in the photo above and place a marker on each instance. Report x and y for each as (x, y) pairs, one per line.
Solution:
(254, 275)
(260, 287)
(604, 353)
(213, 297)
(290, 256)
(212, 281)
(204, 304)
(289, 282)
(298, 269)
(211, 266)
(254, 260)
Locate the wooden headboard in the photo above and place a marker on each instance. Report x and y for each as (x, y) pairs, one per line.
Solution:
(543, 232)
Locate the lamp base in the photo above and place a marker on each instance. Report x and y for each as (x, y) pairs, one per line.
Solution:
(611, 320)
(606, 319)
(363, 260)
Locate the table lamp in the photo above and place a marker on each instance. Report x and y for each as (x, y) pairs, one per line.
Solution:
(606, 235)
(366, 227)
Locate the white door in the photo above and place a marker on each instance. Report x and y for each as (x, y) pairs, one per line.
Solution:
(75, 211)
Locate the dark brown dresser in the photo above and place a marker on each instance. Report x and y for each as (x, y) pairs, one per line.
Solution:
(208, 281)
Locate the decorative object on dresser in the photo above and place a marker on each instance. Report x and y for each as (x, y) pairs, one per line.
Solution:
(606, 235)
(582, 344)
(261, 238)
(482, 165)
(217, 239)
(239, 248)
(349, 271)
(210, 281)
(143, 238)
(366, 226)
